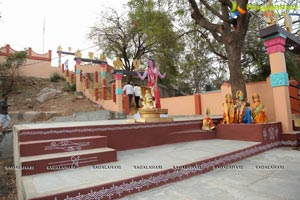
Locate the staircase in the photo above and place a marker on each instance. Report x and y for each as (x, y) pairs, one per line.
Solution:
(44, 156)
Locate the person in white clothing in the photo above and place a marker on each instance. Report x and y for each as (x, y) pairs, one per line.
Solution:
(129, 92)
(137, 94)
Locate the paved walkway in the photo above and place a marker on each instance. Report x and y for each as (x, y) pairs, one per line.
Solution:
(131, 163)
(273, 175)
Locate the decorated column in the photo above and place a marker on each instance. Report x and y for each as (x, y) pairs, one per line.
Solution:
(118, 78)
(113, 91)
(103, 66)
(96, 86)
(275, 45)
(59, 49)
(78, 71)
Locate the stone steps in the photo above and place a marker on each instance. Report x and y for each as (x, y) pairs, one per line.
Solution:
(132, 173)
(32, 148)
(67, 160)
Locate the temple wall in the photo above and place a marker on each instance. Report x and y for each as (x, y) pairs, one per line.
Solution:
(186, 105)
(36, 65)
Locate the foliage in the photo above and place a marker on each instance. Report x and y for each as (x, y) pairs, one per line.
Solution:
(70, 87)
(145, 30)
(55, 77)
(10, 68)
(195, 42)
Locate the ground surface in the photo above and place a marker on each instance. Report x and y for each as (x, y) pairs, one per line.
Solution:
(25, 92)
(272, 175)
(22, 99)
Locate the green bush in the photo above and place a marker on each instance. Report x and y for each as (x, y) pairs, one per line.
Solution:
(73, 87)
(70, 87)
(55, 77)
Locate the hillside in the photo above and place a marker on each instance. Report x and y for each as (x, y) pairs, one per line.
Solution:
(24, 98)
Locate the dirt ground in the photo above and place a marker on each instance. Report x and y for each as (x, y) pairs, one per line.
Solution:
(23, 98)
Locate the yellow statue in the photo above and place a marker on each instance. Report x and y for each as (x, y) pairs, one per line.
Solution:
(207, 122)
(118, 63)
(258, 110)
(270, 15)
(148, 100)
(240, 106)
(228, 110)
(102, 57)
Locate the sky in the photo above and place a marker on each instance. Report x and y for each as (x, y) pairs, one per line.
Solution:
(66, 23)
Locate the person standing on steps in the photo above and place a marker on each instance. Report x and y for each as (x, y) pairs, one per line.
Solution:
(129, 92)
(137, 94)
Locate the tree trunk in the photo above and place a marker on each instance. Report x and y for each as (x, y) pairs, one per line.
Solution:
(233, 50)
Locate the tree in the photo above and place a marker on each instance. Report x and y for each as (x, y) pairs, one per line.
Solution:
(229, 32)
(10, 68)
(137, 34)
(200, 67)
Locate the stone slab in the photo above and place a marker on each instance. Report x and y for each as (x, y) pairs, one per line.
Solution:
(68, 160)
(131, 163)
(61, 145)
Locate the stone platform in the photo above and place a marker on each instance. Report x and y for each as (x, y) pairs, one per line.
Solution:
(138, 170)
(109, 159)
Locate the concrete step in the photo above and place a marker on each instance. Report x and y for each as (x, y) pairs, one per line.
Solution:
(67, 160)
(191, 135)
(40, 147)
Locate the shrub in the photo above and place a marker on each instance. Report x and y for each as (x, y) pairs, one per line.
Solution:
(55, 77)
(70, 87)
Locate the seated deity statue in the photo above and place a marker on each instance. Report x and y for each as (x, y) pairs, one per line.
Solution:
(258, 110)
(207, 122)
(148, 100)
(228, 110)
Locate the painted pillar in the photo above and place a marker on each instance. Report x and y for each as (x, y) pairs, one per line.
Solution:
(78, 76)
(72, 78)
(197, 99)
(59, 63)
(118, 78)
(279, 81)
(103, 79)
(86, 81)
(96, 86)
(113, 91)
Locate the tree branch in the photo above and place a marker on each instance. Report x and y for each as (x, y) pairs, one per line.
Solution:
(213, 11)
(212, 48)
(200, 19)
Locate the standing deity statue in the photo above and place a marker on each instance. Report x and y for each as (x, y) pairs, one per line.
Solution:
(152, 73)
(228, 110)
(240, 106)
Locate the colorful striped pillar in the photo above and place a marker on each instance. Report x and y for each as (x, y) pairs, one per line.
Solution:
(78, 79)
(113, 91)
(103, 80)
(78, 76)
(59, 63)
(118, 78)
(279, 80)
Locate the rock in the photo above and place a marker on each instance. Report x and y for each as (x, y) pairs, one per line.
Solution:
(47, 90)
(47, 93)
